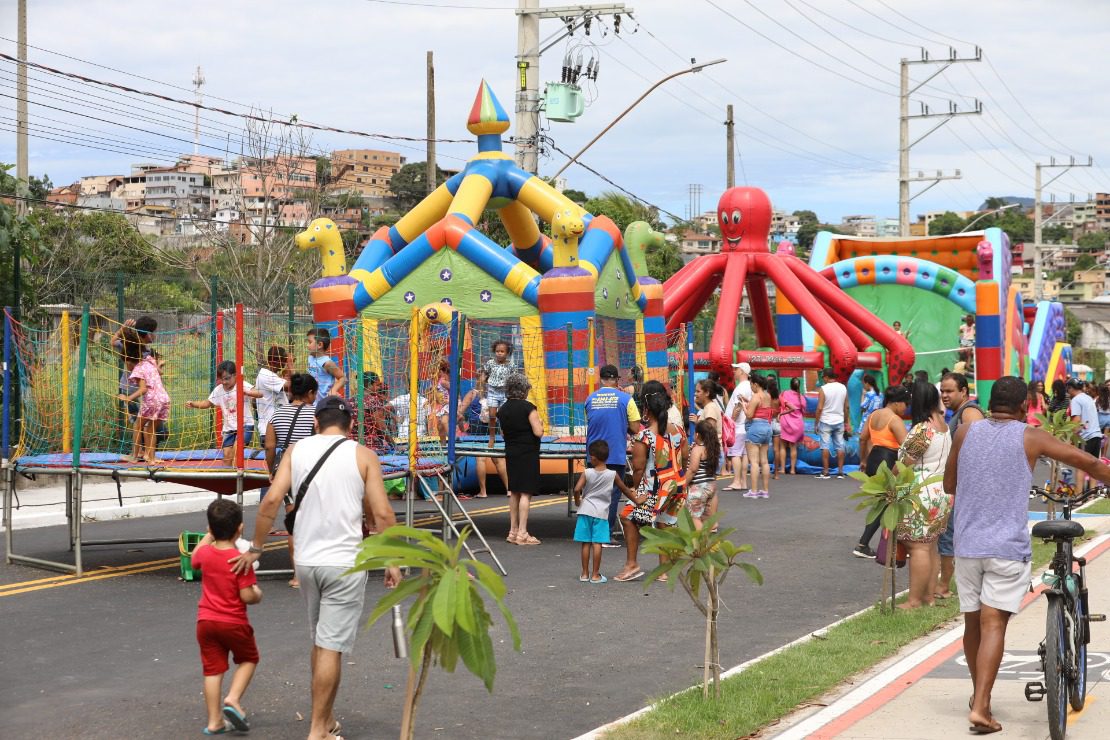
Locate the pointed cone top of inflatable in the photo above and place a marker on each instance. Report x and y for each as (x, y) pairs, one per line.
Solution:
(486, 115)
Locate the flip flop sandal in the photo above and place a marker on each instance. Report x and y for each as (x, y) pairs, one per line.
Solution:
(527, 540)
(984, 729)
(583, 579)
(630, 577)
(335, 729)
(223, 731)
(600, 579)
(236, 719)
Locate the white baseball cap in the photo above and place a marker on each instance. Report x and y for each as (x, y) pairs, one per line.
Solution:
(744, 367)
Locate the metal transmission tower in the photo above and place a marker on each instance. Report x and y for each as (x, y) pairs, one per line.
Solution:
(904, 118)
(198, 83)
(1038, 279)
(529, 13)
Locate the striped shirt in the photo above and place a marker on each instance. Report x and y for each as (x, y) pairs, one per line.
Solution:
(283, 419)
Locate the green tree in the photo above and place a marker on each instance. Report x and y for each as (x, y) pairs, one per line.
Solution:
(694, 556)
(448, 619)
(1094, 241)
(946, 223)
(663, 260)
(807, 232)
(17, 235)
(623, 210)
(806, 217)
(409, 185)
(323, 170)
(576, 195)
(1054, 234)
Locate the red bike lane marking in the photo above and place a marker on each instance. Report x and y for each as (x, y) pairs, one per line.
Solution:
(888, 693)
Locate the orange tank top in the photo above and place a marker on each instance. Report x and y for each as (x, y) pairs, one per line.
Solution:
(884, 437)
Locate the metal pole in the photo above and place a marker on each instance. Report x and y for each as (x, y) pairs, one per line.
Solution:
(904, 149)
(570, 378)
(730, 147)
(78, 435)
(690, 372)
(291, 322)
(5, 423)
(1038, 283)
(358, 375)
(453, 360)
(21, 169)
(430, 163)
(591, 361)
(240, 403)
(217, 335)
(528, 92)
(67, 398)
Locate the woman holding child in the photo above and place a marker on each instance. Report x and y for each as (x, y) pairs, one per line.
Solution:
(656, 475)
(925, 449)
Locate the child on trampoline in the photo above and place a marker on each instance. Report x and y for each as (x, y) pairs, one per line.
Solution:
(222, 624)
(595, 488)
(223, 397)
(494, 374)
(146, 375)
(321, 365)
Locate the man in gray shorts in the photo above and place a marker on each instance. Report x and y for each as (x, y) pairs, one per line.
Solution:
(990, 471)
(328, 531)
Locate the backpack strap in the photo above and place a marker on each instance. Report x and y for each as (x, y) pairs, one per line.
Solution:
(312, 474)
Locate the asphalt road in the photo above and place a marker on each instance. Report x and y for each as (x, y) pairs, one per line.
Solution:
(115, 656)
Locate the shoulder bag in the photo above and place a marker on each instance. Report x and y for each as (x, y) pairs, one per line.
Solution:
(290, 518)
(280, 452)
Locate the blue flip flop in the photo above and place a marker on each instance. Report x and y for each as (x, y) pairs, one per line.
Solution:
(222, 731)
(236, 718)
(600, 579)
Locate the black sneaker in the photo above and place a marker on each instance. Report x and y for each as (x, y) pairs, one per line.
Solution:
(863, 551)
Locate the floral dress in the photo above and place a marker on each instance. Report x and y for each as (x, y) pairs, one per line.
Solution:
(926, 450)
(661, 483)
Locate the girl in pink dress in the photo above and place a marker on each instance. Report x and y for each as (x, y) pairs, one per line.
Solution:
(154, 408)
(792, 421)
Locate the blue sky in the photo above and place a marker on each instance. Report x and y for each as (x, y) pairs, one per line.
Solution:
(813, 82)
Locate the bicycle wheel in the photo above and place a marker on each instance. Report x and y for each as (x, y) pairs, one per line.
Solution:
(1077, 693)
(1055, 669)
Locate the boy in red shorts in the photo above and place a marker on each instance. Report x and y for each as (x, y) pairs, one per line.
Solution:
(222, 625)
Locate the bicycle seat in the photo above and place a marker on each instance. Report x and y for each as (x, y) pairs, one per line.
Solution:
(1059, 529)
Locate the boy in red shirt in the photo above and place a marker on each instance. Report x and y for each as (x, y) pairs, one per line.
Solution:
(222, 625)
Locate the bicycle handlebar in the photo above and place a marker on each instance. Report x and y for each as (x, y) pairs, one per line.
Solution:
(1079, 498)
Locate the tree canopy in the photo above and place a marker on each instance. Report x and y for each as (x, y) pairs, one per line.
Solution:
(409, 184)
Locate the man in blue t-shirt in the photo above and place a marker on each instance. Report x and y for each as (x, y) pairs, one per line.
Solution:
(1082, 409)
(611, 415)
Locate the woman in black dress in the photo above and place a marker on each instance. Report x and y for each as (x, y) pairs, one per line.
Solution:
(522, 430)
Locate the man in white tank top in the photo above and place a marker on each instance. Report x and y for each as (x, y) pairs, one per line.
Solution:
(832, 421)
(328, 531)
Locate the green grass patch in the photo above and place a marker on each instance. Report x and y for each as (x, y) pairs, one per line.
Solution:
(774, 687)
(1098, 507)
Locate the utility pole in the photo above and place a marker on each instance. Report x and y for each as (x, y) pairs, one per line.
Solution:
(198, 83)
(529, 13)
(904, 117)
(22, 172)
(730, 154)
(430, 163)
(1038, 280)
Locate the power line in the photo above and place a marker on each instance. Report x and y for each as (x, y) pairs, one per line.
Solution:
(920, 25)
(247, 116)
(624, 190)
(759, 110)
(438, 6)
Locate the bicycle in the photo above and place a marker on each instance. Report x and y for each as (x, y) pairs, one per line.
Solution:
(1063, 652)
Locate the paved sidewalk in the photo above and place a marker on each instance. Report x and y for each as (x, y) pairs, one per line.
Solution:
(921, 694)
(46, 507)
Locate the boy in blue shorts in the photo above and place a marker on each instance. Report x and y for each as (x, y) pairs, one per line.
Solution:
(595, 487)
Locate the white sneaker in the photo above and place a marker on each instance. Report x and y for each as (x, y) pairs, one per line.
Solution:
(822, 476)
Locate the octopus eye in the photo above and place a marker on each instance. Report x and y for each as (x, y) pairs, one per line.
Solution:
(736, 217)
(724, 217)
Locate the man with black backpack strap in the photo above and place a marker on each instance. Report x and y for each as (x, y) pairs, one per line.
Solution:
(337, 481)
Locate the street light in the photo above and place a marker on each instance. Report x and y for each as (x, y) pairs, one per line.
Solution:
(984, 215)
(694, 67)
